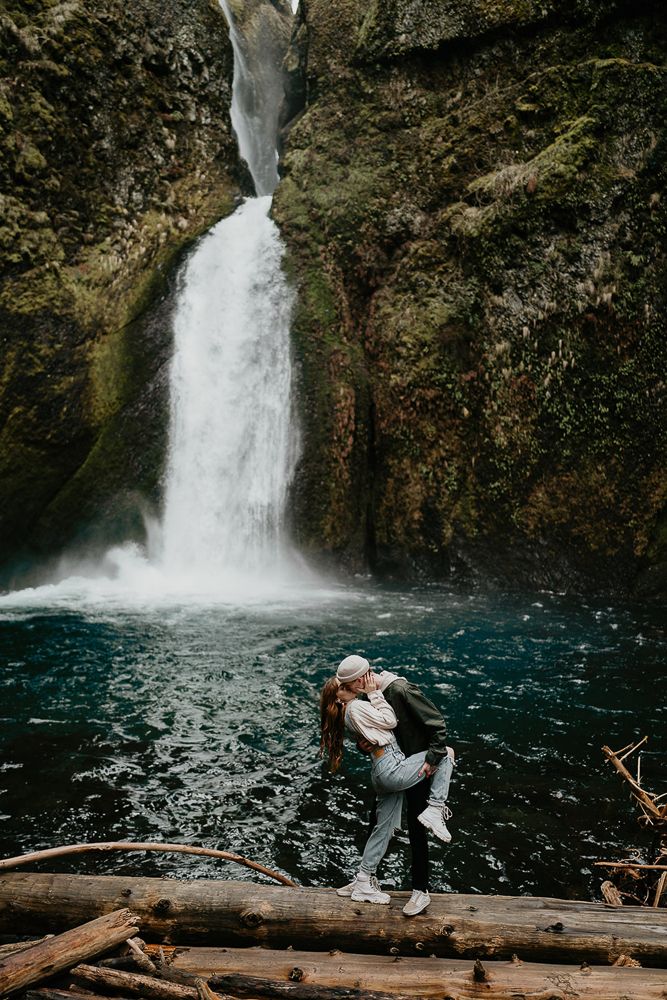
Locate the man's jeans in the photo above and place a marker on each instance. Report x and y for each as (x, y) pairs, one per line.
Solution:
(391, 775)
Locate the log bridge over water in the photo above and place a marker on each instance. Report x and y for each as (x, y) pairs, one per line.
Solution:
(208, 940)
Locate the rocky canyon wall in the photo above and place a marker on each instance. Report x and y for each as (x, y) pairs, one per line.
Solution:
(116, 150)
(473, 200)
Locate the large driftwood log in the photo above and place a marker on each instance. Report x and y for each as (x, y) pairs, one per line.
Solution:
(49, 957)
(241, 913)
(500, 981)
(445, 979)
(419, 977)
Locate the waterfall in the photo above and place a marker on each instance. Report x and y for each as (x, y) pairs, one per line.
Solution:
(232, 437)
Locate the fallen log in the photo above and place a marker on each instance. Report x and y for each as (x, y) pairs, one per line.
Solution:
(236, 914)
(252, 986)
(57, 953)
(445, 979)
(130, 983)
(136, 985)
(491, 981)
(416, 977)
(48, 994)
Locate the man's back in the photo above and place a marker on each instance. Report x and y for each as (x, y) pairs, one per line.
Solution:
(420, 724)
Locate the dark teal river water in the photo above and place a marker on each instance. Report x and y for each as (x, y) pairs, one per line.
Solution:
(197, 723)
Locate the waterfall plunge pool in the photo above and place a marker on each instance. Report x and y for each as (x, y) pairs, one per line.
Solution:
(196, 721)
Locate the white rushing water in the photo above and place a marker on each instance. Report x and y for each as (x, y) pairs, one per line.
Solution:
(256, 97)
(232, 433)
(233, 437)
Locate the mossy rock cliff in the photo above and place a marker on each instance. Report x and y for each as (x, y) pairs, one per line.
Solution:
(116, 151)
(473, 199)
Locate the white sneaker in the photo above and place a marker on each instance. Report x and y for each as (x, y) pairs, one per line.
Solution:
(346, 890)
(368, 891)
(434, 818)
(417, 902)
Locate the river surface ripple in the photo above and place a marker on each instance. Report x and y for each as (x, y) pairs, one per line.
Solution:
(198, 723)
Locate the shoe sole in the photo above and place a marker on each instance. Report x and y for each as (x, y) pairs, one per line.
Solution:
(381, 902)
(341, 892)
(445, 840)
(414, 913)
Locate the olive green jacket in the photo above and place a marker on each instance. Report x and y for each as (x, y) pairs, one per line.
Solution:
(420, 724)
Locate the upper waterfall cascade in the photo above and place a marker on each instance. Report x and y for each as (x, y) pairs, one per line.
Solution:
(233, 438)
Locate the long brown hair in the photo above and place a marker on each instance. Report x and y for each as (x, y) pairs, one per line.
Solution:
(332, 720)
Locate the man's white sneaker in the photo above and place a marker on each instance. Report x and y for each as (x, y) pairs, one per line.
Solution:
(368, 891)
(417, 902)
(433, 818)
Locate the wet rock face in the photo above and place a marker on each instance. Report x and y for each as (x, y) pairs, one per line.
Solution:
(116, 150)
(478, 234)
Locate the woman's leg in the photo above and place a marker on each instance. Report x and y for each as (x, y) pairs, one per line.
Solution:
(388, 808)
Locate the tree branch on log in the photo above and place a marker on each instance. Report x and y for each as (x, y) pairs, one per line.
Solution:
(630, 865)
(209, 852)
(142, 961)
(9, 949)
(638, 792)
(661, 886)
(58, 953)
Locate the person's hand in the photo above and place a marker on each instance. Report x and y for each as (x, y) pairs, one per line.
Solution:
(427, 769)
(370, 682)
(365, 746)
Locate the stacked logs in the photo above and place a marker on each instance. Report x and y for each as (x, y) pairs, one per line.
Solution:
(459, 949)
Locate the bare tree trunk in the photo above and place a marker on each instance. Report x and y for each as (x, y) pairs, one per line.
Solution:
(236, 914)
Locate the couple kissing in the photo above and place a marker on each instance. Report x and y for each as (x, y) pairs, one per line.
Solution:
(403, 735)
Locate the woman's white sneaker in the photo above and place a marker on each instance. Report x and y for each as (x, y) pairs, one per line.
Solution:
(433, 818)
(367, 890)
(417, 902)
(346, 890)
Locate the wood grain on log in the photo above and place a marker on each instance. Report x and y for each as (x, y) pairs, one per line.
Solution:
(242, 913)
(57, 953)
(48, 994)
(8, 949)
(360, 977)
(252, 986)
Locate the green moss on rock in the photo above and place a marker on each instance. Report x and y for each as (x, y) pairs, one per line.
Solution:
(482, 229)
(116, 151)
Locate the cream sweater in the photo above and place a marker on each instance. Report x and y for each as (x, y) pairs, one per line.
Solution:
(373, 719)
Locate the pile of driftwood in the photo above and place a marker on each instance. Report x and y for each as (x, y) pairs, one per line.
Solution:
(214, 940)
(639, 878)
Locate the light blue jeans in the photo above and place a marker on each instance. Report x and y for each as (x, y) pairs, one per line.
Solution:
(391, 774)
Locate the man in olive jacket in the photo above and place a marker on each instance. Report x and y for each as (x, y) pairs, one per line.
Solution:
(420, 727)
